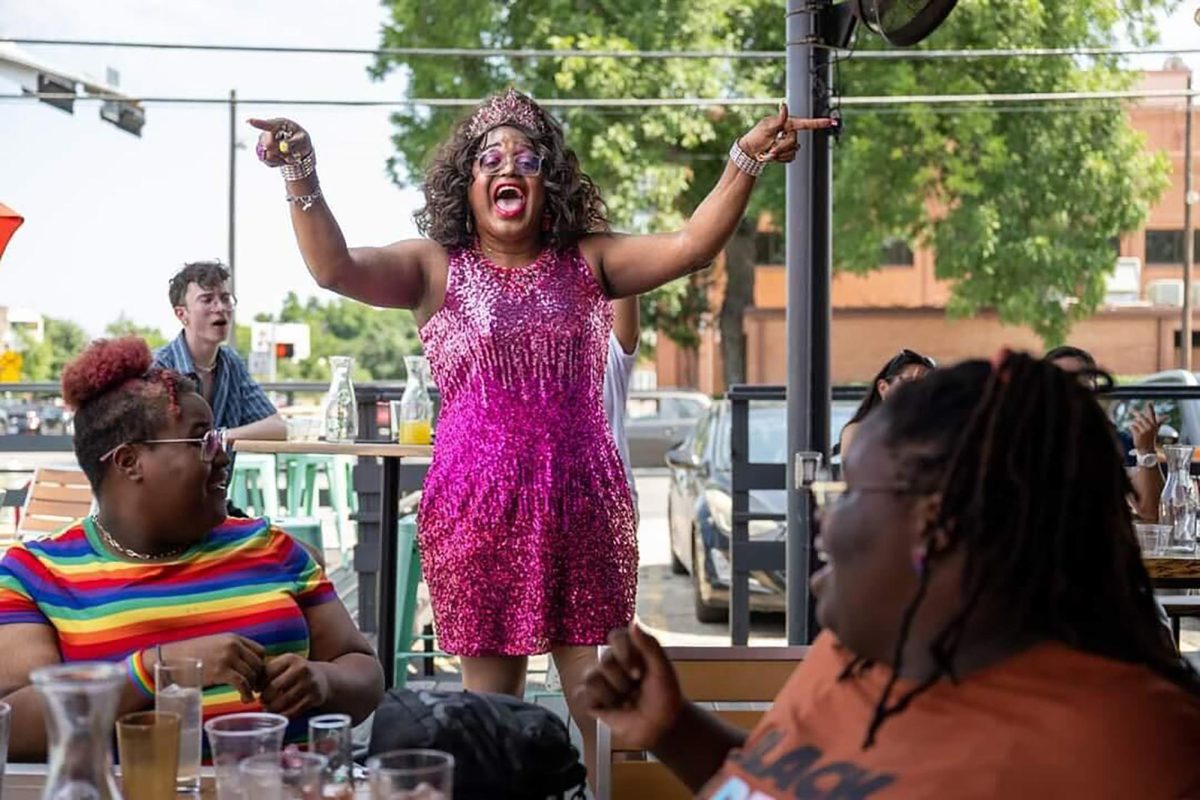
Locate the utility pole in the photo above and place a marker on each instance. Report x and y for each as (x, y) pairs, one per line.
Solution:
(233, 148)
(1189, 235)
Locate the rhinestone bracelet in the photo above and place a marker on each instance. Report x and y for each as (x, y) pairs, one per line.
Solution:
(751, 166)
(305, 201)
(301, 169)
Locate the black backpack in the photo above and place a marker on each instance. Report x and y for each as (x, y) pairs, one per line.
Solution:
(503, 748)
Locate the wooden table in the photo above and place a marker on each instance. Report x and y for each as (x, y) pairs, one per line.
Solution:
(1173, 573)
(391, 454)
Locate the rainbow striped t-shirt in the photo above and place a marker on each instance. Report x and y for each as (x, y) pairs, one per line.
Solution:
(245, 577)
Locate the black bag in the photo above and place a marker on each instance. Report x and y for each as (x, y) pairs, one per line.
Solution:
(503, 748)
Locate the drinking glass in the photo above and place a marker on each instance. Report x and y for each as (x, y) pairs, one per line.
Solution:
(329, 736)
(283, 776)
(179, 689)
(1152, 538)
(236, 737)
(148, 746)
(411, 775)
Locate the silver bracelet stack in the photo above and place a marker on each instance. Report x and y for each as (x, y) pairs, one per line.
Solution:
(751, 166)
(301, 169)
(305, 201)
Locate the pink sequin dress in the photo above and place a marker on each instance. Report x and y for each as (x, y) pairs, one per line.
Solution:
(526, 525)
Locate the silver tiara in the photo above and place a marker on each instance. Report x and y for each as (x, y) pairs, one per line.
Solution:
(509, 108)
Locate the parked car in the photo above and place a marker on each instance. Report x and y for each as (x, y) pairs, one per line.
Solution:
(656, 421)
(700, 504)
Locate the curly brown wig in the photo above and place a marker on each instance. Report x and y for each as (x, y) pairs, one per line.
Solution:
(573, 204)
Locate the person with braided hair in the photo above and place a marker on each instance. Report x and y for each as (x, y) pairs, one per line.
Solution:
(989, 627)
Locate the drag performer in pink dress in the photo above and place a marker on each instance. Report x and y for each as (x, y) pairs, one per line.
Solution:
(526, 525)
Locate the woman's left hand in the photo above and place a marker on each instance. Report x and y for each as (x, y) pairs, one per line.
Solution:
(294, 685)
(774, 137)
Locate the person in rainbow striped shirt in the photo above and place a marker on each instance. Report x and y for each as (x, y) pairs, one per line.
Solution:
(159, 571)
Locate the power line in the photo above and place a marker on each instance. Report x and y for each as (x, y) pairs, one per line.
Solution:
(501, 52)
(650, 102)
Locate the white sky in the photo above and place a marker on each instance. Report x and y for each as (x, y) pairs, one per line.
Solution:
(109, 217)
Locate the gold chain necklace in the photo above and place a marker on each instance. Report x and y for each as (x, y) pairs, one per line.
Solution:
(125, 551)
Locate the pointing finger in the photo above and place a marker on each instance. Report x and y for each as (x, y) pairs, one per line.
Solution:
(804, 124)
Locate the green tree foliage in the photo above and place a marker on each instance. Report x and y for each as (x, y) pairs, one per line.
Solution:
(1021, 203)
(44, 360)
(124, 326)
(1021, 207)
(377, 339)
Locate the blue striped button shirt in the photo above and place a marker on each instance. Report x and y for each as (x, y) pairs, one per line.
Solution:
(237, 400)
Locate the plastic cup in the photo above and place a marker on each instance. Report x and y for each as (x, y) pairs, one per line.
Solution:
(283, 776)
(411, 775)
(1152, 538)
(236, 737)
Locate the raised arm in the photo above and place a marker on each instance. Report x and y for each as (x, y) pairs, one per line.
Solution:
(629, 265)
(405, 274)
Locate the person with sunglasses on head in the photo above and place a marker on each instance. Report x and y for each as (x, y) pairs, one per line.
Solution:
(907, 365)
(988, 627)
(1138, 445)
(526, 523)
(160, 572)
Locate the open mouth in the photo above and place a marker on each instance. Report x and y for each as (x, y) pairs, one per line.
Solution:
(509, 200)
(220, 323)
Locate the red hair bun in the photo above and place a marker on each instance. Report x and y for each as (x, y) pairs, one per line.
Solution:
(104, 365)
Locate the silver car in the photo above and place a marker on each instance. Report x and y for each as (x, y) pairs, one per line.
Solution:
(658, 420)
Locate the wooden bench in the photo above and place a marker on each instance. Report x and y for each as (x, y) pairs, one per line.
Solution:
(57, 498)
(747, 678)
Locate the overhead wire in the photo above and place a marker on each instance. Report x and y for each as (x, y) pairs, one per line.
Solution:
(519, 52)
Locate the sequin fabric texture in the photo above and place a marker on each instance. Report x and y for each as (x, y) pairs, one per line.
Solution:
(526, 525)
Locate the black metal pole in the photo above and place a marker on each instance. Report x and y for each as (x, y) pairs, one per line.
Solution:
(809, 237)
(232, 210)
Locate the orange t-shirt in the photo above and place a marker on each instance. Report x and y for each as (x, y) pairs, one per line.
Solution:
(1049, 722)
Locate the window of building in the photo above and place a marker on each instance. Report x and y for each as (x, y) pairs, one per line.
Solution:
(895, 252)
(1164, 247)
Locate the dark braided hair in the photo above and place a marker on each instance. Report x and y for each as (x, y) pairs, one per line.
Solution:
(1034, 492)
(118, 397)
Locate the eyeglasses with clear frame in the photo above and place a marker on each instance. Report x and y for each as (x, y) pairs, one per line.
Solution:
(211, 443)
(827, 494)
(526, 163)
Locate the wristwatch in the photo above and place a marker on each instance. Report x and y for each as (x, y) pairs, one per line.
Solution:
(1145, 460)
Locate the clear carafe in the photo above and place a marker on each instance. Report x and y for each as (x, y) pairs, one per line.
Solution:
(1178, 504)
(81, 707)
(415, 425)
(341, 409)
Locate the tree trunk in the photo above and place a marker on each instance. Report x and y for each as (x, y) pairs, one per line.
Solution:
(739, 295)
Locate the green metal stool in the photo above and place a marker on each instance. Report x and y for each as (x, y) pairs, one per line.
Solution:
(301, 473)
(253, 487)
(408, 572)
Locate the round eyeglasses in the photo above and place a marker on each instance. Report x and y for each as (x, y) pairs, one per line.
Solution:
(525, 162)
(211, 443)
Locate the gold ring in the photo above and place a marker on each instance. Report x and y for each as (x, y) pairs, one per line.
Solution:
(283, 146)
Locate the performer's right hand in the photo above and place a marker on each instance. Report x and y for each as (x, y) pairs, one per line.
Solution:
(634, 689)
(281, 142)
